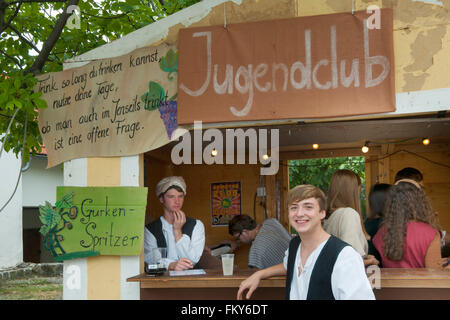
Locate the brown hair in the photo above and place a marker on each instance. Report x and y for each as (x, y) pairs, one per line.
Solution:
(405, 203)
(241, 222)
(344, 192)
(409, 173)
(377, 199)
(306, 191)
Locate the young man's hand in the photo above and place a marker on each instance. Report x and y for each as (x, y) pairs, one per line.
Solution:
(179, 219)
(181, 264)
(251, 283)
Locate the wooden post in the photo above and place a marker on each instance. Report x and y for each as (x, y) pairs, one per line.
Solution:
(271, 197)
(102, 277)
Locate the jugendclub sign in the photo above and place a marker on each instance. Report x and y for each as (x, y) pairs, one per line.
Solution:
(307, 67)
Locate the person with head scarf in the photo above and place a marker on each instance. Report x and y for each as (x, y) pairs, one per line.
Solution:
(183, 237)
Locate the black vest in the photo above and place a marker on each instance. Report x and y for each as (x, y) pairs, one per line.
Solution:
(155, 227)
(320, 282)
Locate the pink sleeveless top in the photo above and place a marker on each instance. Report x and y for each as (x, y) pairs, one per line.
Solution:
(418, 238)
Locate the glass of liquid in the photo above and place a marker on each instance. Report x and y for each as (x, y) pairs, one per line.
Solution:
(227, 264)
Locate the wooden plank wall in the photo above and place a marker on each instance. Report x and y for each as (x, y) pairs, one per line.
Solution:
(427, 159)
(394, 157)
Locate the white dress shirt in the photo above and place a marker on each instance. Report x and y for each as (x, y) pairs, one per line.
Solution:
(348, 279)
(190, 248)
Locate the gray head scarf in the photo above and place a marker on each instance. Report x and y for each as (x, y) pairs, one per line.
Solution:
(166, 183)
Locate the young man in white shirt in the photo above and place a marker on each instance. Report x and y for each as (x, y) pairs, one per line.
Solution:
(183, 237)
(319, 266)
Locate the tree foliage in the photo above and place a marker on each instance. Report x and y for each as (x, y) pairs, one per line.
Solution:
(35, 39)
(318, 172)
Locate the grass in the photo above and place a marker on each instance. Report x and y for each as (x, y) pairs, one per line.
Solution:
(32, 288)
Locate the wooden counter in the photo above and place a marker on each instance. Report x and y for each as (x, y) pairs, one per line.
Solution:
(395, 284)
(416, 284)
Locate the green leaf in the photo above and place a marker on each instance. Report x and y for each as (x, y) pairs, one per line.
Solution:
(10, 105)
(65, 202)
(17, 84)
(40, 103)
(44, 230)
(169, 63)
(48, 216)
(17, 103)
(154, 96)
(3, 98)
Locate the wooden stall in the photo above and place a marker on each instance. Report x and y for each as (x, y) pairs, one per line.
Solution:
(312, 71)
(394, 284)
(395, 144)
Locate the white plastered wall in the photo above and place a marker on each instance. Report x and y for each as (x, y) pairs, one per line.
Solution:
(11, 251)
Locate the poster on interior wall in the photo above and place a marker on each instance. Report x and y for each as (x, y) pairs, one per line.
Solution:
(225, 202)
(320, 66)
(120, 106)
(92, 221)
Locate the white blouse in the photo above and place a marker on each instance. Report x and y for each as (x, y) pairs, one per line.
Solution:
(345, 224)
(190, 248)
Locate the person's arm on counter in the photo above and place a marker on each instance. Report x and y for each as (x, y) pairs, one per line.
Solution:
(252, 282)
(180, 265)
(433, 257)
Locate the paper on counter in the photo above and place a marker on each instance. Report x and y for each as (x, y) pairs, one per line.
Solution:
(187, 272)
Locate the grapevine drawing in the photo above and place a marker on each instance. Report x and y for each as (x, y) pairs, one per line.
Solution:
(55, 220)
(157, 97)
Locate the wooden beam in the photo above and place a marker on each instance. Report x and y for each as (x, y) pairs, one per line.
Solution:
(283, 178)
(271, 197)
(332, 153)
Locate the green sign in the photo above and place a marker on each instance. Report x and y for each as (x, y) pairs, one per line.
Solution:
(90, 221)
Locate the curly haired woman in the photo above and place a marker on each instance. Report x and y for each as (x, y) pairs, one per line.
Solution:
(409, 235)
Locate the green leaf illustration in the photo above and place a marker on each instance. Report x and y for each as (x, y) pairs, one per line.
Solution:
(65, 202)
(49, 218)
(154, 96)
(44, 229)
(169, 63)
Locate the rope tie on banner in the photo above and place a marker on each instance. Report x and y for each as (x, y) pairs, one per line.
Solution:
(224, 16)
(353, 7)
